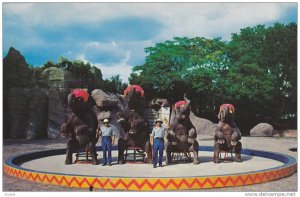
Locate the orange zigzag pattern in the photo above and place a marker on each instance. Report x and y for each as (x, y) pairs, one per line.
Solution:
(152, 183)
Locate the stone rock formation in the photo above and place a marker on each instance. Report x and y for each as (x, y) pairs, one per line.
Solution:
(107, 100)
(28, 112)
(108, 105)
(262, 130)
(203, 126)
(17, 78)
(16, 114)
(37, 113)
(58, 112)
(35, 100)
(17, 71)
(59, 78)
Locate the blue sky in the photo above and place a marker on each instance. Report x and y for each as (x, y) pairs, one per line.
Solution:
(112, 36)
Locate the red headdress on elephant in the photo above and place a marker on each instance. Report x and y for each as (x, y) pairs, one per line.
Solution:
(138, 88)
(81, 93)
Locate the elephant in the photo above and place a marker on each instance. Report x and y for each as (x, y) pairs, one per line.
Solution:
(181, 137)
(134, 98)
(227, 135)
(81, 126)
(135, 128)
(136, 134)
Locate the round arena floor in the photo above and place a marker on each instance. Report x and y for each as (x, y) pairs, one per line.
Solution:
(48, 167)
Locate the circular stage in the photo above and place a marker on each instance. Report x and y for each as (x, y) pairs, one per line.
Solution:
(48, 167)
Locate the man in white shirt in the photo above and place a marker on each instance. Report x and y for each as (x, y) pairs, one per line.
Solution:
(108, 139)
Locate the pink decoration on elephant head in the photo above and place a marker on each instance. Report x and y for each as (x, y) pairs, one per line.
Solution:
(180, 104)
(137, 88)
(81, 93)
(230, 106)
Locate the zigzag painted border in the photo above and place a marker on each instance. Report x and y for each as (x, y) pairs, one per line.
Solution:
(151, 184)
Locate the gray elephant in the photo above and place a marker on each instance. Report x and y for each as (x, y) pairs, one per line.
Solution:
(136, 134)
(182, 135)
(135, 128)
(81, 126)
(134, 98)
(227, 135)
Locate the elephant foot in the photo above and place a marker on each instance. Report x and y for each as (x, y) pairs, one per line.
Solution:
(121, 162)
(238, 158)
(168, 162)
(217, 161)
(68, 162)
(196, 162)
(221, 141)
(233, 143)
(95, 162)
(147, 160)
(216, 158)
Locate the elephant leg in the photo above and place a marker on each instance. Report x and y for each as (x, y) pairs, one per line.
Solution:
(121, 149)
(92, 150)
(235, 137)
(195, 149)
(216, 152)
(71, 146)
(148, 150)
(168, 148)
(219, 137)
(237, 151)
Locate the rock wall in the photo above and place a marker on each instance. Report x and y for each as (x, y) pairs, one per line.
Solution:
(37, 113)
(17, 106)
(16, 83)
(58, 112)
(27, 112)
(34, 103)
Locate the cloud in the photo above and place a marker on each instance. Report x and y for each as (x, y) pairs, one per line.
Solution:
(105, 33)
(122, 68)
(217, 19)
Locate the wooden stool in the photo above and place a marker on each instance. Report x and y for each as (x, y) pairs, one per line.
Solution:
(226, 158)
(86, 155)
(138, 154)
(181, 156)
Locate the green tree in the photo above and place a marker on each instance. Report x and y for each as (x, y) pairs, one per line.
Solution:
(176, 67)
(255, 71)
(263, 74)
(116, 84)
(280, 58)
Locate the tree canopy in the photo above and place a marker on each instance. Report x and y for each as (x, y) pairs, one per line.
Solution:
(256, 71)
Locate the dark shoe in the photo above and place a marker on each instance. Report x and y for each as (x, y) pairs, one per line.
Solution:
(154, 166)
(110, 164)
(161, 166)
(104, 164)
